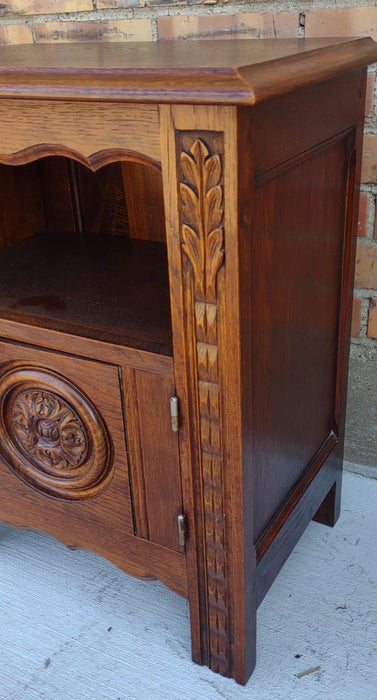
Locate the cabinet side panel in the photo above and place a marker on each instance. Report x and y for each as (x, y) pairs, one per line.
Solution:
(305, 117)
(297, 252)
(145, 201)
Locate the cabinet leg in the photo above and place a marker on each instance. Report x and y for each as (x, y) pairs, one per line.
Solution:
(233, 656)
(329, 510)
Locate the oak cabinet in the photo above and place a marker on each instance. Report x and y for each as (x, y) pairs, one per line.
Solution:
(176, 267)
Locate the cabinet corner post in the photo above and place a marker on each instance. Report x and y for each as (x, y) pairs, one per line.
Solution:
(200, 194)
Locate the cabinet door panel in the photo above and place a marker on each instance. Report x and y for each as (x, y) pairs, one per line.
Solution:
(62, 435)
(154, 457)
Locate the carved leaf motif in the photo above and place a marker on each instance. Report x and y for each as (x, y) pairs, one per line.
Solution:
(213, 171)
(214, 211)
(214, 259)
(201, 200)
(190, 211)
(202, 239)
(199, 152)
(191, 246)
(189, 171)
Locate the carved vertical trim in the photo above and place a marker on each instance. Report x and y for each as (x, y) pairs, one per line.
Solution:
(202, 237)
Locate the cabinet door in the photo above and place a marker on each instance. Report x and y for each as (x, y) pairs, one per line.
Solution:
(153, 456)
(62, 435)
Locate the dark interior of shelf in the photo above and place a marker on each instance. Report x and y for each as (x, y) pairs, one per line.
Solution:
(111, 288)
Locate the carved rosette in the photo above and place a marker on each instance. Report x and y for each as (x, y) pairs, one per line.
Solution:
(51, 435)
(48, 431)
(202, 238)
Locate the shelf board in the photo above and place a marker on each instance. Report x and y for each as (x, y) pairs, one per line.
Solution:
(110, 288)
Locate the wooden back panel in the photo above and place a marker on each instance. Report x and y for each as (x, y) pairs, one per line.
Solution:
(60, 194)
(21, 207)
(100, 199)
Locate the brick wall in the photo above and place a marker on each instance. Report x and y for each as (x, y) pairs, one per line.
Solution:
(27, 21)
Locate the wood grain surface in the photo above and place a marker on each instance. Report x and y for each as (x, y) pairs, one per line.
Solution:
(232, 294)
(287, 299)
(78, 129)
(103, 523)
(109, 288)
(237, 72)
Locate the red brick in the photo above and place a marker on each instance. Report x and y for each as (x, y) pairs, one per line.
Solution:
(369, 165)
(350, 21)
(372, 319)
(15, 34)
(113, 30)
(369, 98)
(356, 317)
(362, 224)
(366, 267)
(39, 7)
(251, 25)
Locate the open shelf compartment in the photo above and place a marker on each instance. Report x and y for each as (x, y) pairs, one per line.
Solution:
(108, 283)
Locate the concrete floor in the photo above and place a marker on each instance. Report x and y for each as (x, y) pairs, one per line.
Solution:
(74, 627)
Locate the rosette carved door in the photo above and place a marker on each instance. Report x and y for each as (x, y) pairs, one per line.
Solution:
(52, 436)
(65, 441)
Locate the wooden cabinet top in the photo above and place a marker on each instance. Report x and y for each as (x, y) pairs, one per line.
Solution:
(231, 71)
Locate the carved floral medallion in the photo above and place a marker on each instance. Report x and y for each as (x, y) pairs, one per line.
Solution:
(51, 435)
(48, 430)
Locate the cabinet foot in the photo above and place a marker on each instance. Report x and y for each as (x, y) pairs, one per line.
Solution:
(241, 675)
(329, 510)
(233, 657)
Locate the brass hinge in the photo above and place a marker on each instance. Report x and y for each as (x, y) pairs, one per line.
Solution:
(174, 412)
(182, 529)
